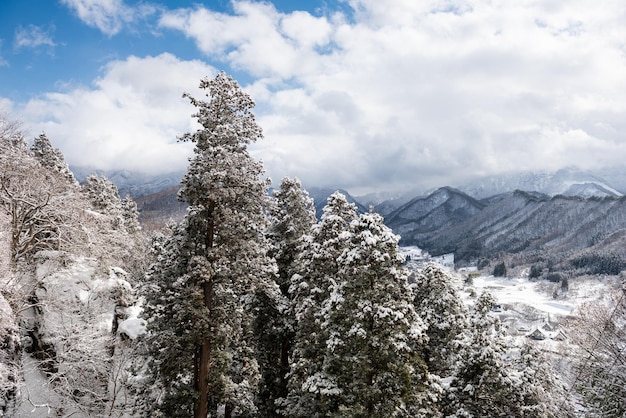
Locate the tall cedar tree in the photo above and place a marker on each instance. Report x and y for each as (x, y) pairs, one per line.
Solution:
(483, 385)
(373, 351)
(204, 281)
(442, 310)
(316, 267)
(292, 216)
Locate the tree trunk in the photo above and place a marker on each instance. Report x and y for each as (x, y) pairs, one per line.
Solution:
(202, 407)
(204, 368)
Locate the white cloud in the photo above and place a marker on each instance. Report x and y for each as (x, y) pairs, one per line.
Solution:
(130, 119)
(426, 92)
(32, 37)
(109, 16)
(395, 94)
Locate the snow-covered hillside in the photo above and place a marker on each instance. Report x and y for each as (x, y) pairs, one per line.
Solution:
(546, 315)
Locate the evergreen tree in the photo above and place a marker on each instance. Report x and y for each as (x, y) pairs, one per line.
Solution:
(105, 198)
(316, 267)
(293, 215)
(130, 215)
(213, 264)
(483, 384)
(374, 334)
(51, 157)
(542, 393)
(500, 270)
(442, 310)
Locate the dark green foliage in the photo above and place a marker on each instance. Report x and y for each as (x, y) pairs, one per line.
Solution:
(499, 270)
(292, 216)
(595, 263)
(554, 277)
(444, 314)
(535, 271)
(207, 273)
(483, 263)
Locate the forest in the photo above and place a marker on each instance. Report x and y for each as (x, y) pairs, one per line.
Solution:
(251, 306)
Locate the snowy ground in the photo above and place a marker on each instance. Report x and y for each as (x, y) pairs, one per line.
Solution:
(538, 298)
(511, 292)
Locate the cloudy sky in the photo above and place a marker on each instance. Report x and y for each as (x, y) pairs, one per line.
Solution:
(359, 94)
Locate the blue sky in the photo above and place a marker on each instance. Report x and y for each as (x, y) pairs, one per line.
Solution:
(359, 94)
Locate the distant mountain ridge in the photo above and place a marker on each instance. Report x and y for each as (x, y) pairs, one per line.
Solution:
(421, 217)
(321, 195)
(132, 183)
(566, 212)
(514, 223)
(569, 181)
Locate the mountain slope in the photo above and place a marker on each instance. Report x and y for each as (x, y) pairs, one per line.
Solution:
(156, 209)
(424, 217)
(522, 222)
(568, 181)
(320, 196)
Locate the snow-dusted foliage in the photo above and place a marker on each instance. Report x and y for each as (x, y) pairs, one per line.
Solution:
(483, 384)
(292, 216)
(130, 215)
(10, 360)
(542, 392)
(358, 337)
(58, 277)
(73, 331)
(600, 370)
(317, 268)
(444, 314)
(35, 199)
(51, 157)
(373, 350)
(207, 272)
(105, 200)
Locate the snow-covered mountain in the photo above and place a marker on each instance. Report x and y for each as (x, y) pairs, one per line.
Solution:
(573, 231)
(568, 181)
(422, 217)
(131, 183)
(320, 196)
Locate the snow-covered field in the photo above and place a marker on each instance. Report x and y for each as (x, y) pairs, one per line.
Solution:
(511, 292)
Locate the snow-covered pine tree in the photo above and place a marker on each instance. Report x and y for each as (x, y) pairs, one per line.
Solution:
(483, 384)
(292, 216)
(105, 198)
(130, 215)
(375, 336)
(51, 157)
(444, 314)
(213, 265)
(316, 266)
(543, 394)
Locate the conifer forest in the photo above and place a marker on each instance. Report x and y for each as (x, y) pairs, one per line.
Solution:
(252, 305)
